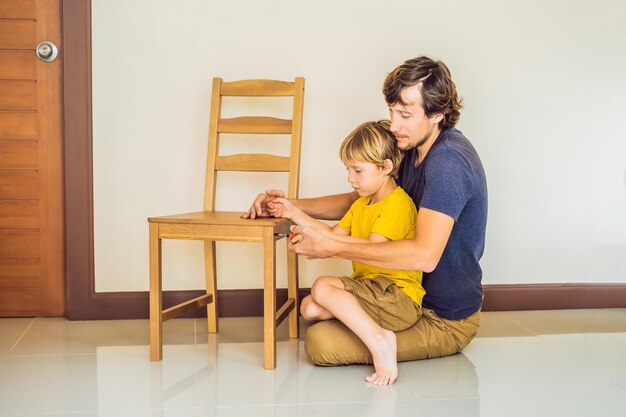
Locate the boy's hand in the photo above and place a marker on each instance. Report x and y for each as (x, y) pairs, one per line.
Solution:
(259, 206)
(281, 207)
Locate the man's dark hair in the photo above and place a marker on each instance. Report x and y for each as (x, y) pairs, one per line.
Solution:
(435, 84)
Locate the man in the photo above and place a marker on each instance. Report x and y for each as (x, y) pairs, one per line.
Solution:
(442, 173)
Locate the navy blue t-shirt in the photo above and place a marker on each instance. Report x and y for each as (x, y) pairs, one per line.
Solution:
(451, 180)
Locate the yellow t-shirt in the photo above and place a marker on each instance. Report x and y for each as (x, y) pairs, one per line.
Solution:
(394, 218)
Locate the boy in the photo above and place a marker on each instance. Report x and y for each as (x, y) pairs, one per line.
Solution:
(374, 302)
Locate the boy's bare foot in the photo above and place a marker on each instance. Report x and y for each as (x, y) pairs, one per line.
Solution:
(384, 353)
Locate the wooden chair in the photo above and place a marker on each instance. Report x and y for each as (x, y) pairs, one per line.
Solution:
(210, 225)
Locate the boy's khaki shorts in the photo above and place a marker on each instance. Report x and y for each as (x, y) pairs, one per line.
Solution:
(389, 306)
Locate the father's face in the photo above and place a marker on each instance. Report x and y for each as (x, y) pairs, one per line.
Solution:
(409, 124)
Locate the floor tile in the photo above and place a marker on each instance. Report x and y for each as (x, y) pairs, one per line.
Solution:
(527, 368)
(68, 414)
(127, 380)
(604, 353)
(244, 329)
(570, 321)
(52, 336)
(54, 384)
(563, 406)
(216, 376)
(453, 377)
(497, 323)
(377, 408)
(10, 332)
(194, 376)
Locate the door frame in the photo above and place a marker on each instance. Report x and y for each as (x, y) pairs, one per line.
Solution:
(82, 301)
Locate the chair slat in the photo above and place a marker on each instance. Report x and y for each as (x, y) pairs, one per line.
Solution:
(284, 310)
(252, 163)
(187, 306)
(269, 125)
(257, 88)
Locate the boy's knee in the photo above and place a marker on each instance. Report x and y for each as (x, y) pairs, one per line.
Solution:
(321, 285)
(306, 308)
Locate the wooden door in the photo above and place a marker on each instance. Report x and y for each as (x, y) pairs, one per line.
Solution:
(31, 170)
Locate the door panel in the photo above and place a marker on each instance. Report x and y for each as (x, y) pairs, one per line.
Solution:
(19, 185)
(19, 155)
(19, 245)
(32, 281)
(18, 126)
(18, 95)
(17, 9)
(18, 306)
(17, 65)
(19, 215)
(17, 34)
(20, 273)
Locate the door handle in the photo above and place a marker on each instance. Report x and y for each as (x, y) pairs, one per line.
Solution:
(47, 51)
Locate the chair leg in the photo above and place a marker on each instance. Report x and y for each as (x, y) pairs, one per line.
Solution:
(156, 295)
(269, 299)
(211, 284)
(292, 292)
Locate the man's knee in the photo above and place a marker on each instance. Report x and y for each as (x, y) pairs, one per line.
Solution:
(331, 343)
(319, 346)
(313, 346)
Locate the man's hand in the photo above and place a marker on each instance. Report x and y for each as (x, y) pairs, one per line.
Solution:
(259, 207)
(313, 243)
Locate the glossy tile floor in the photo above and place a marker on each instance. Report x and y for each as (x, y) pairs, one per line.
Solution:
(534, 363)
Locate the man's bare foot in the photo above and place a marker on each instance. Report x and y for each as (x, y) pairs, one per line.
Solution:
(384, 352)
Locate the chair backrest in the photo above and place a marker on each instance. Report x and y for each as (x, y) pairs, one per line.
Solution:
(254, 125)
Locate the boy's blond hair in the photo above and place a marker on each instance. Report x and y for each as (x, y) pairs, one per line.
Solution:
(372, 142)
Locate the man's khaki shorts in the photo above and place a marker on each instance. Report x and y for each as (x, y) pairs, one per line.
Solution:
(384, 302)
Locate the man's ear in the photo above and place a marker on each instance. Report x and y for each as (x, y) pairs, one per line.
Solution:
(436, 118)
(387, 166)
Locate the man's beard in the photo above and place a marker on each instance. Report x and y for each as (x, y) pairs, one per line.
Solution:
(420, 142)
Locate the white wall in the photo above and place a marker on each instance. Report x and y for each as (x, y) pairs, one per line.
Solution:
(544, 89)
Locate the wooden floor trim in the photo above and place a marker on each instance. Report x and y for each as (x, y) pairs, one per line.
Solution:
(249, 302)
(553, 296)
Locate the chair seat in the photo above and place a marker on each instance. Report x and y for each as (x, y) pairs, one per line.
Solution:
(218, 225)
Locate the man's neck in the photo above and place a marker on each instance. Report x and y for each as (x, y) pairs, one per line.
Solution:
(422, 150)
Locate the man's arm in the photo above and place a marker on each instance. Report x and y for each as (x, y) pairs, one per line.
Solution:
(344, 237)
(422, 253)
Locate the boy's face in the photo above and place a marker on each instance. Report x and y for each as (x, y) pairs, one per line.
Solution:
(365, 177)
(409, 123)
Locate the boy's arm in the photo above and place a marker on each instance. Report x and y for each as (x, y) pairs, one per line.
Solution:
(281, 207)
(331, 207)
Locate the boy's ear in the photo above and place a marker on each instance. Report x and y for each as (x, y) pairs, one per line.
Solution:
(387, 166)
